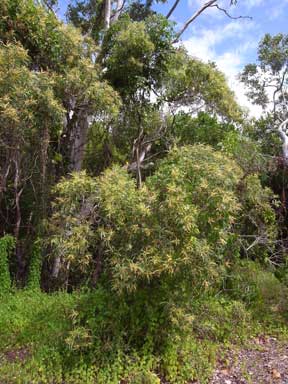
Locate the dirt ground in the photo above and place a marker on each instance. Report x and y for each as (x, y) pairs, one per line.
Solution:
(263, 361)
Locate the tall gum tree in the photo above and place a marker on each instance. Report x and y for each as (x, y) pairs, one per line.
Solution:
(267, 84)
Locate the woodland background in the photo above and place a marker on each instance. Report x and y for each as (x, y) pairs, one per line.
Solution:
(143, 213)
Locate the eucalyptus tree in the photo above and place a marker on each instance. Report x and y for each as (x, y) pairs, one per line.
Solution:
(154, 79)
(92, 16)
(137, 53)
(267, 83)
(29, 115)
(50, 89)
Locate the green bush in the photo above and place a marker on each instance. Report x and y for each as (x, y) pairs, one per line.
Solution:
(7, 243)
(163, 250)
(93, 337)
(257, 287)
(186, 359)
(221, 319)
(34, 277)
(184, 222)
(176, 226)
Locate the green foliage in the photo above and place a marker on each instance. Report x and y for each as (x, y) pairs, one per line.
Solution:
(84, 84)
(186, 359)
(204, 129)
(158, 254)
(268, 142)
(103, 149)
(208, 322)
(71, 338)
(134, 45)
(235, 144)
(189, 81)
(33, 327)
(258, 220)
(87, 15)
(70, 229)
(167, 227)
(136, 53)
(191, 353)
(7, 243)
(165, 249)
(20, 87)
(257, 224)
(30, 115)
(259, 288)
(49, 42)
(179, 226)
(35, 267)
(270, 71)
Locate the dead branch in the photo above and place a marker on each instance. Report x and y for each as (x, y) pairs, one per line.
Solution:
(228, 14)
(193, 17)
(172, 9)
(209, 4)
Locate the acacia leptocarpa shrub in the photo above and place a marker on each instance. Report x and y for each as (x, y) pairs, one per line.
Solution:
(157, 249)
(173, 227)
(177, 228)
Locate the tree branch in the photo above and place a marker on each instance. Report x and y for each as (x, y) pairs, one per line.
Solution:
(193, 17)
(107, 14)
(228, 14)
(172, 9)
(119, 8)
(209, 4)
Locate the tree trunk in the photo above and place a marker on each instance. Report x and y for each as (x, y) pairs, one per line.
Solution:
(78, 137)
(44, 160)
(119, 6)
(77, 132)
(283, 134)
(56, 267)
(107, 14)
(17, 192)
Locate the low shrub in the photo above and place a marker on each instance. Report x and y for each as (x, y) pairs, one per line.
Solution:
(7, 243)
(258, 288)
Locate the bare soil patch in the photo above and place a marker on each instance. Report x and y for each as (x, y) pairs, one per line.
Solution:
(263, 361)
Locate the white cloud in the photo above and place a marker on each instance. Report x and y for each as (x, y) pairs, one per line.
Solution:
(216, 13)
(203, 43)
(222, 3)
(230, 62)
(253, 3)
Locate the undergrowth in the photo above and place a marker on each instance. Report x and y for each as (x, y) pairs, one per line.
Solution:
(93, 337)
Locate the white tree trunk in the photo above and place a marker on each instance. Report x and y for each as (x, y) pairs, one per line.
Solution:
(78, 140)
(107, 14)
(56, 267)
(119, 7)
(283, 134)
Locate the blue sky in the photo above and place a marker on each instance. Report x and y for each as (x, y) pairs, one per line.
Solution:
(230, 43)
